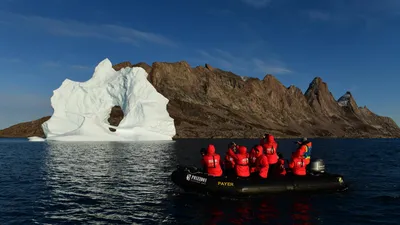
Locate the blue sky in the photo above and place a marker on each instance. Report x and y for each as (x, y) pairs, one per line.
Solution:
(353, 45)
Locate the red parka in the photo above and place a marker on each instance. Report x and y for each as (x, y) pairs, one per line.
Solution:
(211, 161)
(242, 162)
(304, 151)
(230, 159)
(262, 165)
(270, 149)
(298, 165)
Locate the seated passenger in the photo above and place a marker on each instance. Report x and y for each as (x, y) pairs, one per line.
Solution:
(298, 165)
(261, 163)
(230, 156)
(280, 168)
(304, 149)
(270, 150)
(253, 159)
(242, 162)
(211, 162)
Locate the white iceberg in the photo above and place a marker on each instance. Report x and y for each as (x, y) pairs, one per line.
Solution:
(36, 139)
(81, 109)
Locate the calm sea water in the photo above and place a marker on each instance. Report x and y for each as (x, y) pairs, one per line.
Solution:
(128, 183)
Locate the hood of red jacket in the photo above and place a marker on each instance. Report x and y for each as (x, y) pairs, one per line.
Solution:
(210, 149)
(242, 150)
(271, 139)
(260, 150)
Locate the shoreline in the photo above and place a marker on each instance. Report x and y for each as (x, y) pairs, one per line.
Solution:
(242, 138)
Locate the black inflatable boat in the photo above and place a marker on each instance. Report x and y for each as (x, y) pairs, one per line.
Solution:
(191, 179)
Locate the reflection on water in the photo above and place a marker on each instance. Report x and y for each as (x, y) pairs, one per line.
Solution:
(128, 183)
(107, 182)
(272, 210)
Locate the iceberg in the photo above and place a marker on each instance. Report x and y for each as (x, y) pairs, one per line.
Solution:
(82, 109)
(36, 139)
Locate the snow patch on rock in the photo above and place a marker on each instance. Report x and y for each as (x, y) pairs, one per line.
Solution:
(345, 99)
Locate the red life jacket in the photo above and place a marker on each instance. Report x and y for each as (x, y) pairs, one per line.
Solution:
(230, 159)
(298, 165)
(242, 162)
(270, 149)
(262, 165)
(304, 151)
(211, 161)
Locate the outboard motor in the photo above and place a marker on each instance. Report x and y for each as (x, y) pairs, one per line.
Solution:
(317, 166)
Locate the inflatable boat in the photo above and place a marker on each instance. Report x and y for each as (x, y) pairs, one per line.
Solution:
(192, 179)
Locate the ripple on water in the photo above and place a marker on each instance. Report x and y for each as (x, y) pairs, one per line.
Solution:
(128, 183)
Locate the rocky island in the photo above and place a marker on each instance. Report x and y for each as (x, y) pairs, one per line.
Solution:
(207, 102)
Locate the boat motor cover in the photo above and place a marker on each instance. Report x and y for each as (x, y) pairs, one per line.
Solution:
(317, 166)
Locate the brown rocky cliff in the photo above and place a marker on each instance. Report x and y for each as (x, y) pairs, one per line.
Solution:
(207, 102)
(25, 129)
(321, 99)
(364, 118)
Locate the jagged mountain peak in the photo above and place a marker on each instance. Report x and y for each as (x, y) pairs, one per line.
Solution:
(207, 102)
(315, 88)
(347, 100)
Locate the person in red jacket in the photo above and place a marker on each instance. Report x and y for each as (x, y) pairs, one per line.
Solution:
(211, 162)
(253, 159)
(280, 168)
(261, 163)
(230, 156)
(242, 162)
(270, 150)
(298, 165)
(304, 149)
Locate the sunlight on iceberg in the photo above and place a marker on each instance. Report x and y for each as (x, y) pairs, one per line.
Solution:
(35, 138)
(81, 109)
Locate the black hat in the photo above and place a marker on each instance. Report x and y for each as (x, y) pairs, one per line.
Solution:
(302, 140)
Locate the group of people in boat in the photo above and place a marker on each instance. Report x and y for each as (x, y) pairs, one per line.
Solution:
(262, 161)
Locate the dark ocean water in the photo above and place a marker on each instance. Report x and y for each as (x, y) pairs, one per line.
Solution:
(127, 183)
